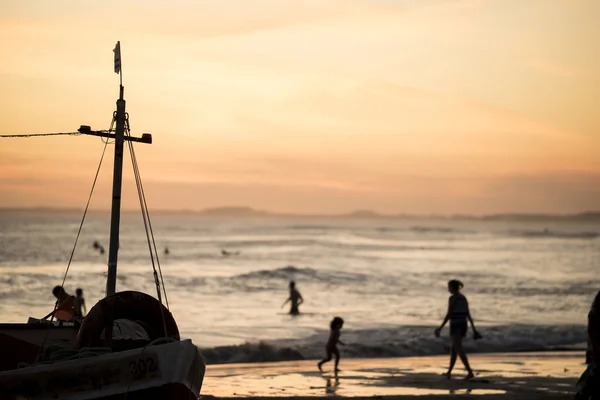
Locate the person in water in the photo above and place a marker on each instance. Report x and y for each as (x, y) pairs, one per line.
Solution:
(589, 383)
(64, 304)
(98, 247)
(331, 347)
(79, 309)
(458, 314)
(295, 299)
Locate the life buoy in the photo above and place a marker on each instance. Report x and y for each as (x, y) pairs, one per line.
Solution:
(132, 305)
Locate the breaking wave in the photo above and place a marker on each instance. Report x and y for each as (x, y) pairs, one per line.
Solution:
(558, 235)
(404, 342)
(307, 274)
(437, 229)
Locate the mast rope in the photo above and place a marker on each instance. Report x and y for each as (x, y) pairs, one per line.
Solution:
(74, 246)
(27, 135)
(148, 226)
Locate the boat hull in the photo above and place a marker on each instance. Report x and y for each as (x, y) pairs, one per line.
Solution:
(23, 342)
(166, 371)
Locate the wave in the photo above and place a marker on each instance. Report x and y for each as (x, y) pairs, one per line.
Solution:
(404, 342)
(292, 272)
(260, 280)
(283, 272)
(250, 353)
(313, 227)
(558, 235)
(434, 229)
(545, 233)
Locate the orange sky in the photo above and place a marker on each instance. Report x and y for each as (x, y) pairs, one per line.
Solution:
(326, 106)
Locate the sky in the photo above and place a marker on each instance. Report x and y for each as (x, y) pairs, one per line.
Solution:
(308, 106)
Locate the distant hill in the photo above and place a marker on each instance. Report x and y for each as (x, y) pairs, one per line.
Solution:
(248, 212)
(586, 216)
(240, 212)
(364, 214)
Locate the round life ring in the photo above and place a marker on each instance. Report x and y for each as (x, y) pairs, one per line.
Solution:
(136, 306)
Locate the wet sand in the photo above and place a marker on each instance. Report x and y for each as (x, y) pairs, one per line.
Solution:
(550, 375)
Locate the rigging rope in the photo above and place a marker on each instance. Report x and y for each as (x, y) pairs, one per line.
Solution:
(26, 135)
(145, 207)
(145, 214)
(75, 244)
(147, 225)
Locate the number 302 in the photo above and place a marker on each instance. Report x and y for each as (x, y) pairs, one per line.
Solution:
(142, 366)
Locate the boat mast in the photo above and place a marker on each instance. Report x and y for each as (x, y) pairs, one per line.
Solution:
(119, 118)
(115, 216)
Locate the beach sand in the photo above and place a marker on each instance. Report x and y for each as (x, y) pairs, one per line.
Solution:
(549, 375)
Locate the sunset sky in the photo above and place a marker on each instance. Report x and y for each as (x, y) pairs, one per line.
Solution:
(308, 106)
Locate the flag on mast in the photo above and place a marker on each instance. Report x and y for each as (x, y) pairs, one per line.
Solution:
(117, 52)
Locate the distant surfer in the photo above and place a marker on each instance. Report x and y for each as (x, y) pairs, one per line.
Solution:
(166, 251)
(226, 253)
(98, 247)
(458, 314)
(331, 348)
(295, 299)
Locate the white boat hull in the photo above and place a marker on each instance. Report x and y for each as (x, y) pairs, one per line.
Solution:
(166, 371)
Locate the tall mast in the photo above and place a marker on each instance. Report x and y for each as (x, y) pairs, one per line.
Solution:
(115, 216)
(120, 138)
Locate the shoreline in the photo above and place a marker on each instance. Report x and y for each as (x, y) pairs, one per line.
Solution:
(531, 375)
(280, 354)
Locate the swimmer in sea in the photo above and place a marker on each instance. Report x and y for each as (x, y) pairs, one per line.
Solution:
(295, 299)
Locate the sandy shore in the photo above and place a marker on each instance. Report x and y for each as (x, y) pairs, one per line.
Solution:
(498, 376)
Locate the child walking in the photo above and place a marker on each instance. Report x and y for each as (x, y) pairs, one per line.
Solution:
(79, 309)
(331, 347)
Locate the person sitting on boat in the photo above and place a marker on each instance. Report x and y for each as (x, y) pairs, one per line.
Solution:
(65, 302)
(79, 309)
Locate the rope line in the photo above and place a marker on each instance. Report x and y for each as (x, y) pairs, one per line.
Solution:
(147, 224)
(75, 244)
(26, 135)
(145, 206)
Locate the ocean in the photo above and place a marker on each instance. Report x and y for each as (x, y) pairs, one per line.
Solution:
(529, 283)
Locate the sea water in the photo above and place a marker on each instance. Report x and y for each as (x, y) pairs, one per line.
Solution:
(529, 283)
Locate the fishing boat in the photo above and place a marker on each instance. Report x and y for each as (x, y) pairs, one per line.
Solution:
(128, 345)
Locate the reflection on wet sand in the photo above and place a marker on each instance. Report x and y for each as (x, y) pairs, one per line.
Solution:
(331, 387)
(531, 376)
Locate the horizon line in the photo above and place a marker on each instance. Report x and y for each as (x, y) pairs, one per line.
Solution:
(244, 212)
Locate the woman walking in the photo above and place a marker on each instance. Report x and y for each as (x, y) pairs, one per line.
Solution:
(458, 314)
